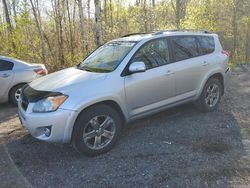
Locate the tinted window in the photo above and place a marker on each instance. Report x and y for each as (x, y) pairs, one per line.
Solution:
(153, 54)
(184, 47)
(206, 44)
(5, 65)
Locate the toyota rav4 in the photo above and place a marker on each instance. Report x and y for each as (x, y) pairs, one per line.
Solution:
(122, 80)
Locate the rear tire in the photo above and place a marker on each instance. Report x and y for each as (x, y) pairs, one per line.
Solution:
(210, 96)
(96, 130)
(15, 93)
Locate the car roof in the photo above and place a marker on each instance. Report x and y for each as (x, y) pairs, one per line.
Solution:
(13, 60)
(17, 63)
(136, 37)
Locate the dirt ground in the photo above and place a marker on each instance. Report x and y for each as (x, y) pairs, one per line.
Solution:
(180, 147)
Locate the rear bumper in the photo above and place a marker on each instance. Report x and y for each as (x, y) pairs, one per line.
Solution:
(60, 124)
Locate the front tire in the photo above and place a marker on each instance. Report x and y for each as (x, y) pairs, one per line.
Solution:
(96, 130)
(210, 96)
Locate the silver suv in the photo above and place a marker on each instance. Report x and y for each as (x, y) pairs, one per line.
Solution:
(125, 79)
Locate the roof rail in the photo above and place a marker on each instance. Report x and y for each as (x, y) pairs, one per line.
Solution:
(182, 30)
(163, 31)
(158, 32)
(195, 30)
(131, 34)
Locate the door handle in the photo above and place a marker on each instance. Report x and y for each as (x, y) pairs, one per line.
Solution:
(169, 72)
(4, 75)
(205, 63)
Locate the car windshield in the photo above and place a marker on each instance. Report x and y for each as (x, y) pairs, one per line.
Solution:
(107, 57)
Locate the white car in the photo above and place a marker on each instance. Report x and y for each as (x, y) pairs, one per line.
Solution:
(14, 74)
(125, 79)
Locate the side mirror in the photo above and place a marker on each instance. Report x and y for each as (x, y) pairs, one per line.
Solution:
(138, 66)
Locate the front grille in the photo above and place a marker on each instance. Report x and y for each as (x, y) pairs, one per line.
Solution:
(30, 95)
(24, 105)
(24, 102)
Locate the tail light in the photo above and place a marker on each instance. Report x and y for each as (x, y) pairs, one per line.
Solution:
(225, 52)
(41, 71)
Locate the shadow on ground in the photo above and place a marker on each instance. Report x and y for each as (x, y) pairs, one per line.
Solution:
(7, 111)
(179, 147)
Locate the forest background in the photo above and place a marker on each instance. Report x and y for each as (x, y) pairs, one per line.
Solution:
(60, 33)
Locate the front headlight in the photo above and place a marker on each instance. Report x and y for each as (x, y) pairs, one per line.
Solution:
(49, 104)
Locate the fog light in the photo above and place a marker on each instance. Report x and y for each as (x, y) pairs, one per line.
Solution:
(47, 131)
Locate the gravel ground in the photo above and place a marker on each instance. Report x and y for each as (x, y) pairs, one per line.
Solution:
(180, 147)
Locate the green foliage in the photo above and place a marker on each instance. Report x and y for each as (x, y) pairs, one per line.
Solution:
(200, 17)
(120, 18)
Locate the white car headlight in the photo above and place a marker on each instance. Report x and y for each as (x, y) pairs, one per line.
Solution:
(49, 104)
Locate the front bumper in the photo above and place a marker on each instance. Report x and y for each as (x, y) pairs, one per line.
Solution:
(60, 123)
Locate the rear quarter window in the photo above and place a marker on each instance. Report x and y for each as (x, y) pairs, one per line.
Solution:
(206, 44)
(6, 65)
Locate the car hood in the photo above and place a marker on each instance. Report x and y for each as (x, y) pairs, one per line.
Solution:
(65, 80)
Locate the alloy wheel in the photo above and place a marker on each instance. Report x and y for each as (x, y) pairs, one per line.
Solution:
(18, 93)
(99, 132)
(212, 95)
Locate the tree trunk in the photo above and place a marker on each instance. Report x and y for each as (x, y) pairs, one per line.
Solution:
(14, 9)
(85, 42)
(153, 3)
(234, 24)
(176, 5)
(178, 21)
(61, 42)
(74, 20)
(9, 25)
(105, 11)
(59, 30)
(39, 28)
(98, 38)
(153, 16)
(145, 16)
(70, 31)
(88, 22)
(7, 17)
(88, 7)
(111, 14)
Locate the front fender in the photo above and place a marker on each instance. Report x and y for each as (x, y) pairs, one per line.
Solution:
(95, 100)
(89, 102)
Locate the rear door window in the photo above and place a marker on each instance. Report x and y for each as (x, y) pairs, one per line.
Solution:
(206, 43)
(184, 47)
(6, 65)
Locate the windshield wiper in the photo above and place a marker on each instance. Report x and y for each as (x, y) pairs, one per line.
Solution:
(92, 69)
(85, 68)
(88, 69)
